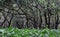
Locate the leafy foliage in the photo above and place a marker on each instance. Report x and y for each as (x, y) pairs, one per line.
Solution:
(15, 32)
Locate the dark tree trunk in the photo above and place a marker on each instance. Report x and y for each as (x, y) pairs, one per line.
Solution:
(56, 21)
(35, 23)
(40, 22)
(45, 18)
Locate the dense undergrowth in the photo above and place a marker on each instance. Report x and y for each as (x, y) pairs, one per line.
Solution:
(15, 32)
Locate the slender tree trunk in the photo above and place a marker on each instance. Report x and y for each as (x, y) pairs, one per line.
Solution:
(48, 20)
(45, 18)
(57, 21)
(40, 22)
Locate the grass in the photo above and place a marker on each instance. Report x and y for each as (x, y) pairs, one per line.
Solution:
(15, 32)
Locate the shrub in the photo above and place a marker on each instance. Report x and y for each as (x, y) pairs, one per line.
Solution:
(15, 32)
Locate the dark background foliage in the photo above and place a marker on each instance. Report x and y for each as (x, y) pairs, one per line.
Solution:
(30, 13)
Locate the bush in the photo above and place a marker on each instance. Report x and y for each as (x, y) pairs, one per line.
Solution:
(15, 32)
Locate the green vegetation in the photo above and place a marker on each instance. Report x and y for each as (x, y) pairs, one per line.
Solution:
(30, 18)
(15, 32)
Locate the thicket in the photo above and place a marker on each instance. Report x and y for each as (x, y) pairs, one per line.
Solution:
(15, 32)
